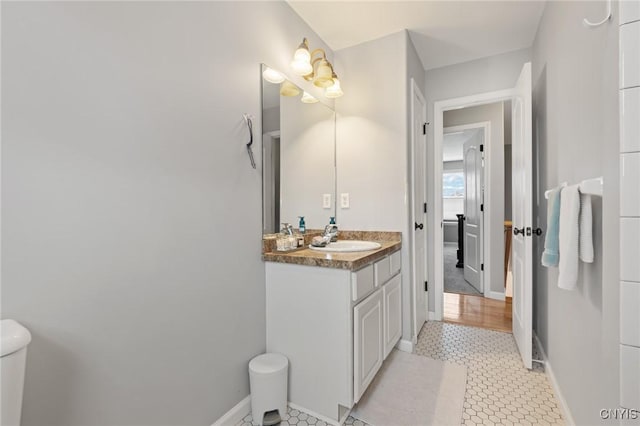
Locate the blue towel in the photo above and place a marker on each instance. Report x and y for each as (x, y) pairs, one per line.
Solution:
(551, 254)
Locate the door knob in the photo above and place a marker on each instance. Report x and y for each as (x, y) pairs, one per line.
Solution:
(419, 226)
(537, 231)
(517, 231)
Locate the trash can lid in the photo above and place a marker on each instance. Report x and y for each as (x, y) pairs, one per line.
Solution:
(14, 337)
(268, 363)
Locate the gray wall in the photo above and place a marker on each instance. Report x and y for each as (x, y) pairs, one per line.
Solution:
(494, 199)
(371, 131)
(483, 75)
(131, 215)
(575, 78)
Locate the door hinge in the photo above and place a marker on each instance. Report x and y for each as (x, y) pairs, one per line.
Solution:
(425, 207)
(424, 129)
(482, 267)
(481, 147)
(426, 286)
(481, 207)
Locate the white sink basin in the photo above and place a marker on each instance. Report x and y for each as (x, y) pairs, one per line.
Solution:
(348, 246)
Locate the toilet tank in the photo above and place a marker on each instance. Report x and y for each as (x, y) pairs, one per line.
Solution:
(14, 339)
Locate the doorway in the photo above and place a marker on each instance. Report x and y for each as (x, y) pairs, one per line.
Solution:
(468, 148)
(493, 214)
(462, 198)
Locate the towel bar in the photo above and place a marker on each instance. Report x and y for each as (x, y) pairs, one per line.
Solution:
(588, 186)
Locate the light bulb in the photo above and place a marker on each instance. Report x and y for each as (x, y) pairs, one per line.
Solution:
(301, 67)
(273, 76)
(334, 91)
(323, 74)
(301, 63)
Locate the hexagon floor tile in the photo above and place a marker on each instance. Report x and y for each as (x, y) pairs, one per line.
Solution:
(499, 389)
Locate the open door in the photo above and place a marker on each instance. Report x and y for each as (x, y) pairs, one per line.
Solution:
(473, 199)
(419, 244)
(522, 196)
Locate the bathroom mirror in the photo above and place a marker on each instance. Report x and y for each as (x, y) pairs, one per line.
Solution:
(298, 156)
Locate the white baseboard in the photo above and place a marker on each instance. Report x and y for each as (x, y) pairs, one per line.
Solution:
(497, 295)
(237, 413)
(431, 316)
(405, 346)
(566, 413)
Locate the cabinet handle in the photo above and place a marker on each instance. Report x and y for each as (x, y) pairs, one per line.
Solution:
(419, 226)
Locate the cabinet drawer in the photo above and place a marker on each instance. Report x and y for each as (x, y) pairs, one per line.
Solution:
(383, 270)
(361, 282)
(396, 262)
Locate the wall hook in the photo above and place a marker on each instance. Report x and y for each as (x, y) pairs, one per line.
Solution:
(247, 119)
(597, 24)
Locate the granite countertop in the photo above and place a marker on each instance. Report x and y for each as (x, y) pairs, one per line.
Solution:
(390, 242)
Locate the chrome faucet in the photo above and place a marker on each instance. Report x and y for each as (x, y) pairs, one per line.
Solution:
(330, 233)
(287, 229)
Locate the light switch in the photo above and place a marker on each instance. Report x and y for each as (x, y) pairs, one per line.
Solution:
(344, 200)
(326, 201)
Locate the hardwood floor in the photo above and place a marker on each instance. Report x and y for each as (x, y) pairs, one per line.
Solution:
(477, 311)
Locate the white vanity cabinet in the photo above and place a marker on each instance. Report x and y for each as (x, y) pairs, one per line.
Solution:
(367, 342)
(336, 326)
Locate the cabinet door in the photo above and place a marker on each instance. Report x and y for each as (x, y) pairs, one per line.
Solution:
(368, 344)
(392, 297)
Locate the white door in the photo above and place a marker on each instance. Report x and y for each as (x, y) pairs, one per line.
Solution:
(521, 248)
(367, 342)
(419, 244)
(473, 199)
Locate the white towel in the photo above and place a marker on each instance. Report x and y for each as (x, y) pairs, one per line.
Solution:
(586, 229)
(569, 237)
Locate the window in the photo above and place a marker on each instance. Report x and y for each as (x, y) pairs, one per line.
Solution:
(453, 184)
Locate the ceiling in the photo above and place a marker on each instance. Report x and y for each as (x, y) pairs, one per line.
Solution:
(443, 32)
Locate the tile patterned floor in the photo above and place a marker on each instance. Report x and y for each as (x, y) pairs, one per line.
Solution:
(299, 418)
(499, 389)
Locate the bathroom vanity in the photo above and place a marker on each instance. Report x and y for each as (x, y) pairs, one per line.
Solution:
(336, 316)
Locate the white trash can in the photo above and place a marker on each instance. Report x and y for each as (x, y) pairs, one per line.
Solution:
(13, 342)
(268, 375)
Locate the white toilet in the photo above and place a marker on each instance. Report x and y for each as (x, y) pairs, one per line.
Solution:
(13, 346)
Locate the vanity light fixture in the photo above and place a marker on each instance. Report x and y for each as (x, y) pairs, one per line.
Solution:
(308, 99)
(272, 76)
(315, 67)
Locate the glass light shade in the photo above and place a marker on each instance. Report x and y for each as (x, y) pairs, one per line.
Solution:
(323, 76)
(334, 91)
(287, 88)
(301, 63)
(308, 99)
(272, 76)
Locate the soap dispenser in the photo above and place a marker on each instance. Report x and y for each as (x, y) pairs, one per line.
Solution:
(332, 221)
(301, 226)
